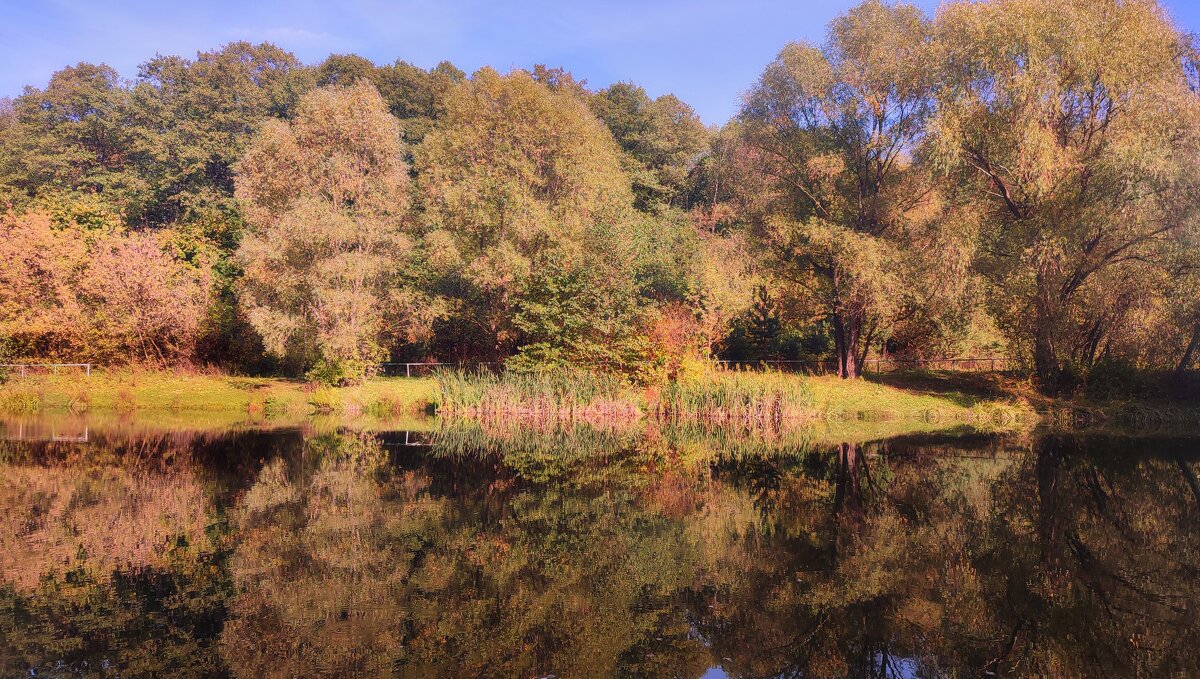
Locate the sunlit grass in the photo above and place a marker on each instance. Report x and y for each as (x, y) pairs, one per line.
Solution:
(926, 401)
(139, 391)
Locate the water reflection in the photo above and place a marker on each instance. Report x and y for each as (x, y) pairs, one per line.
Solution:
(688, 552)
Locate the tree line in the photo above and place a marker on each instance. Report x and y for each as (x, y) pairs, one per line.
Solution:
(1011, 176)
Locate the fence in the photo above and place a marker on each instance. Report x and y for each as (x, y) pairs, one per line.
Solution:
(882, 365)
(417, 369)
(46, 368)
(875, 365)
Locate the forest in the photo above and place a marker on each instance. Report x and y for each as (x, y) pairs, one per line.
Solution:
(1014, 178)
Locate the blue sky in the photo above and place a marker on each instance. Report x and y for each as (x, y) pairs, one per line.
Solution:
(706, 51)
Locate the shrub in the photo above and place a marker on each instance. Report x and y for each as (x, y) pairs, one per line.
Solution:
(340, 372)
(1112, 378)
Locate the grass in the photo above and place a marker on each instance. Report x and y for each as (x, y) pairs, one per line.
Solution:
(736, 397)
(927, 396)
(557, 394)
(151, 391)
(925, 401)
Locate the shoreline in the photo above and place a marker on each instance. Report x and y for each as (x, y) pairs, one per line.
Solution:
(926, 399)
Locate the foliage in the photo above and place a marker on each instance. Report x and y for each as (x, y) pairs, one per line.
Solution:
(525, 199)
(325, 198)
(661, 139)
(1074, 125)
(855, 213)
(98, 295)
(1011, 177)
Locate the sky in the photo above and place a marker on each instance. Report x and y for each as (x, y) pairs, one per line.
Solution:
(707, 52)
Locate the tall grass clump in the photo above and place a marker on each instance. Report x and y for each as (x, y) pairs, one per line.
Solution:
(324, 400)
(554, 393)
(735, 397)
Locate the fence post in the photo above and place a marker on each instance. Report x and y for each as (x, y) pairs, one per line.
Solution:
(408, 370)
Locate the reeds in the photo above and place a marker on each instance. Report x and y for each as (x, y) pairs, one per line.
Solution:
(744, 398)
(556, 394)
(749, 398)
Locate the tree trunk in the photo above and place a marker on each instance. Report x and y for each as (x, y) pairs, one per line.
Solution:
(847, 331)
(1188, 353)
(1045, 355)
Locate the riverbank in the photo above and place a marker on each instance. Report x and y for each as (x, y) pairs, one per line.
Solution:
(927, 400)
(166, 392)
(742, 399)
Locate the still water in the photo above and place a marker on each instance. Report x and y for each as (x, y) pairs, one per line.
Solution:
(134, 549)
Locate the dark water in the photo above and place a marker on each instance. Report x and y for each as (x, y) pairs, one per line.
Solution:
(137, 551)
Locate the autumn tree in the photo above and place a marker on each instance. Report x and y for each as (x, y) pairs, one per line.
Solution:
(838, 130)
(97, 294)
(326, 200)
(1073, 123)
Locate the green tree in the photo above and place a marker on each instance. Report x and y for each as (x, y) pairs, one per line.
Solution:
(515, 179)
(662, 139)
(73, 137)
(326, 200)
(195, 118)
(345, 69)
(417, 96)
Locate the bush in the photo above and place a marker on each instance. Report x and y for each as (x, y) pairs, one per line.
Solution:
(340, 372)
(6, 355)
(1111, 378)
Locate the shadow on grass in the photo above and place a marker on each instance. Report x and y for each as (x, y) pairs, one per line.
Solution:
(962, 388)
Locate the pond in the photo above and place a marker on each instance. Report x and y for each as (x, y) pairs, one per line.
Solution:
(466, 549)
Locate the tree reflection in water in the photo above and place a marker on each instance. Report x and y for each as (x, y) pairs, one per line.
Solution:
(593, 552)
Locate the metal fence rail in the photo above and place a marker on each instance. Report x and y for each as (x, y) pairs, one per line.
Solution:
(44, 368)
(419, 368)
(876, 365)
(881, 365)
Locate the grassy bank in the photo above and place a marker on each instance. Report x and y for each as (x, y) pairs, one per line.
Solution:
(143, 391)
(926, 401)
(746, 398)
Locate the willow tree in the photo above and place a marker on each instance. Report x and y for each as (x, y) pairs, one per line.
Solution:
(527, 210)
(1073, 121)
(836, 130)
(326, 198)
